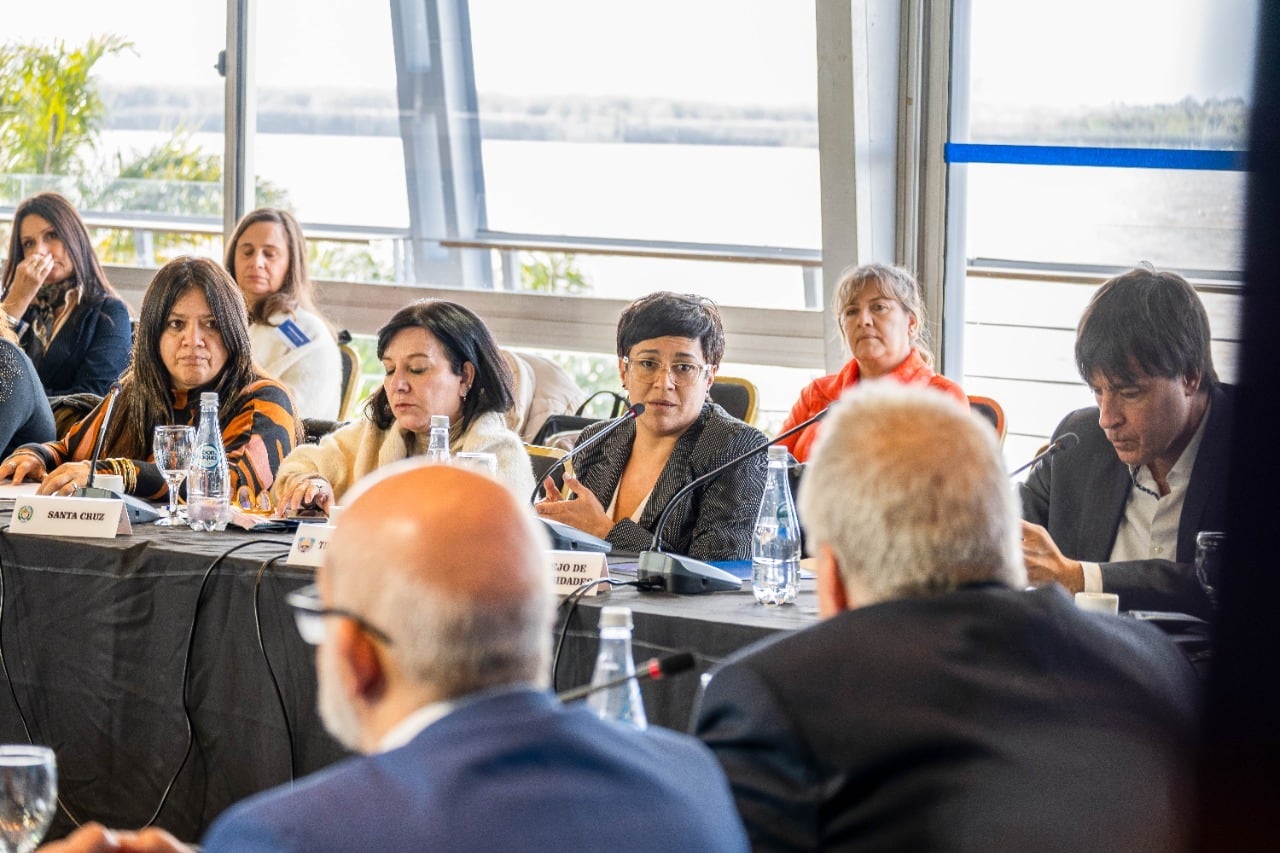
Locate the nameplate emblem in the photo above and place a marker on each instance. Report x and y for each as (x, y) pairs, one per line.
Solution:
(574, 568)
(309, 544)
(46, 515)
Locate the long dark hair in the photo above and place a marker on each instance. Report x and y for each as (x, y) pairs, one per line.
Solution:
(59, 212)
(146, 397)
(296, 291)
(465, 338)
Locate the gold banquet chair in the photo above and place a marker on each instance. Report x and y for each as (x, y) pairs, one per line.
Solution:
(350, 374)
(737, 396)
(541, 459)
(992, 412)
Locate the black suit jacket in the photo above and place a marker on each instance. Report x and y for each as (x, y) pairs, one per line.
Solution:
(983, 719)
(1079, 497)
(88, 353)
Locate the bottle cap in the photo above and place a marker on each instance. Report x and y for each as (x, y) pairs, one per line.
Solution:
(615, 617)
(778, 453)
(439, 421)
(208, 398)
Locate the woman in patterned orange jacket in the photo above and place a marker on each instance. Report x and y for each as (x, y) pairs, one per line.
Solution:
(192, 337)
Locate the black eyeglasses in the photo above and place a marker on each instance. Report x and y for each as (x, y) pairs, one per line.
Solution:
(309, 614)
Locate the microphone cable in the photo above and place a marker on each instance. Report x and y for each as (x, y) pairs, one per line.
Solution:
(572, 600)
(266, 658)
(186, 672)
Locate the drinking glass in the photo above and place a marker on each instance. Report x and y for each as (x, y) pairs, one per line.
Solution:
(1209, 562)
(28, 796)
(480, 462)
(172, 447)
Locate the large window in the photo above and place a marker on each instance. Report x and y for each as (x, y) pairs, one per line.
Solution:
(90, 112)
(1084, 142)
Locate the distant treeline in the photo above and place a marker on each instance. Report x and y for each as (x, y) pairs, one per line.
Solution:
(1211, 123)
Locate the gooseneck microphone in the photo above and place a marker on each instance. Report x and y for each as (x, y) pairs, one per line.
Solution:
(89, 490)
(140, 512)
(654, 669)
(1066, 441)
(685, 575)
(635, 411)
(565, 537)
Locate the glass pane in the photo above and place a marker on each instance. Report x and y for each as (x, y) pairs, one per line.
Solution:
(1141, 73)
(612, 121)
(139, 105)
(1180, 220)
(328, 143)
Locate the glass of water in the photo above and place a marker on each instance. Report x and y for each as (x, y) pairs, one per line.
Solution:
(28, 796)
(480, 462)
(172, 447)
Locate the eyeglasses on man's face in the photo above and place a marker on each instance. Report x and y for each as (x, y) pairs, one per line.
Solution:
(683, 373)
(309, 615)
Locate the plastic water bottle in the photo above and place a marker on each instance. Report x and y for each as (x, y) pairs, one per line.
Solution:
(438, 440)
(208, 483)
(775, 548)
(621, 702)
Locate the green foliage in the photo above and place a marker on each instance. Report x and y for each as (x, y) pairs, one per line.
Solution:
(50, 109)
(346, 262)
(51, 117)
(553, 272)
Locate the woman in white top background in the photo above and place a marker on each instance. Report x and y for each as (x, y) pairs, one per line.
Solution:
(267, 257)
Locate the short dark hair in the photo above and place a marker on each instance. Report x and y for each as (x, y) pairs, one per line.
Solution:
(296, 291)
(465, 338)
(680, 315)
(1149, 321)
(60, 213)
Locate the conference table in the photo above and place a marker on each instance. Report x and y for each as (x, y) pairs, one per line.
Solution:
(164, 669)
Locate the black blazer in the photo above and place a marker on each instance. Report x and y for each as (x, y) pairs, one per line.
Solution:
(89, 352)
(985, 719)
(717, 520)
(1079, 497)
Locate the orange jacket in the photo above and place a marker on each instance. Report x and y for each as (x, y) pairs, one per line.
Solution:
(825, 390)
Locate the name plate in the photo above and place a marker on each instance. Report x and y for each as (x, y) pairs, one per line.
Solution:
(46, 515)
(574, 568)
(309, 544)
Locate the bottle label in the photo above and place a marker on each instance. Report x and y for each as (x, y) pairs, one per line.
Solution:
(206, 457)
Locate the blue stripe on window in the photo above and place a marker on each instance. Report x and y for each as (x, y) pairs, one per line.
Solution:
(1124, 158)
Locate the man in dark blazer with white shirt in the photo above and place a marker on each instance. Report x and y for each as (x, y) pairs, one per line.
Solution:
(1120, 512)
(939, 705)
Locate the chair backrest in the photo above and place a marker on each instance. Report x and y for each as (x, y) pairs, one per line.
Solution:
(737, 396)
(541, 459)
(992, 411)
(314, 429)
(350, 374)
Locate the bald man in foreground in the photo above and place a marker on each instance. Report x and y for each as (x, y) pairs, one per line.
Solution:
(939, 705)
(433, 619)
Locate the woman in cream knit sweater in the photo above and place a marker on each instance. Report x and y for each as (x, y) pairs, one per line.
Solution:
(439, 359)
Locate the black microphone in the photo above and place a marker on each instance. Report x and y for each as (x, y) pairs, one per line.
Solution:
(654, 668)
(89, 490)
(563, 536)
(1066, 441)
(634, 412)
(139, 510)
(685, 575)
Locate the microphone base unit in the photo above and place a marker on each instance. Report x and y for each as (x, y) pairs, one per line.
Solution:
(140, 512)
(684, 575)
(566, 538)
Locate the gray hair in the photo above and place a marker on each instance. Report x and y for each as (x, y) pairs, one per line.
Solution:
(909, 491)
(460, 642)
(892, 281)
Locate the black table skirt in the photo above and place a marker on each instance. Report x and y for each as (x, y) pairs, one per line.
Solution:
(95, 637)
